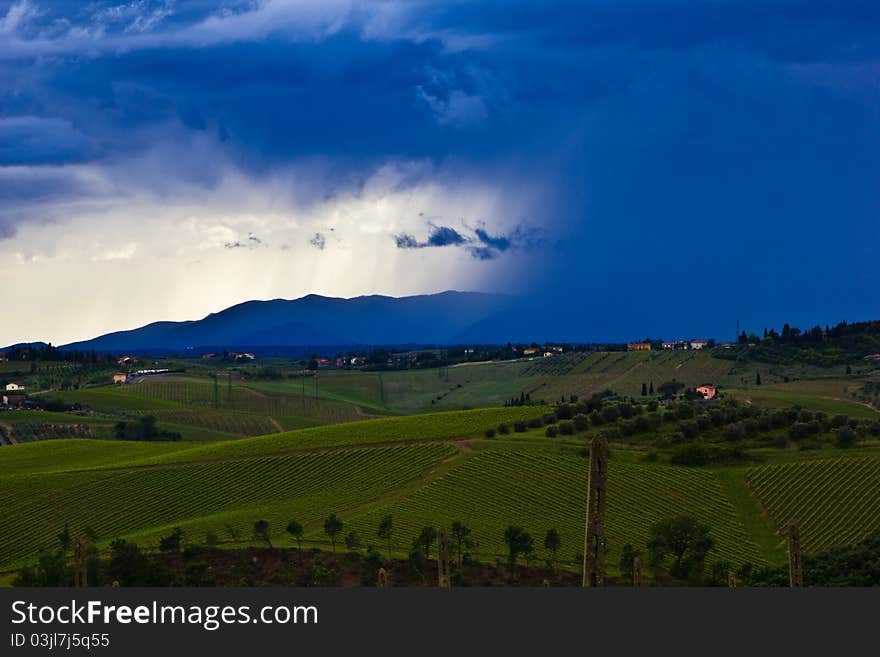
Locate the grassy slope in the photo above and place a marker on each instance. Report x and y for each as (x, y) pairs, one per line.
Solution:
(831, 396)
(123, 502)
(523, 478)
(543, 488)
(431, 426)
(834, 501)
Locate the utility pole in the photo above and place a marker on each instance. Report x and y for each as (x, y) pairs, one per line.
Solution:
(594, 536)
(795, 559)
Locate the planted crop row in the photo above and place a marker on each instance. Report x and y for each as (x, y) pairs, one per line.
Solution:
(242, 398)
(430, 426)
(25, 432)
(834, 501)
(242, 424)
(118, 503)
(539, 490)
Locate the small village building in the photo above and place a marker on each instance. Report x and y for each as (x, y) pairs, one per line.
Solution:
(668, 345)
(707, 391)
(12, 387)
(548, 354)
(698, 344)
(13, 400)
(120, 377)
(873, 357)
(638, 346)
(208, 356)
(125, 360)
(531, 351)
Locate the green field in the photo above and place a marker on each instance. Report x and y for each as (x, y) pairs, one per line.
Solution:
(424, 470)
(543, 488)
(127, 501)
(831, 396)
(413, 444)
(834, 501)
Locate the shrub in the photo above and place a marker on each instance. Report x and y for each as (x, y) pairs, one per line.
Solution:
(549, 418)
(644, 424)
(581, 422)
(490, 432)
(845, 437)
(734, 432)
(693, 455)
(503, 428)
(564, 412)
(566, 427)
(552, 431)
(519, 426)
(690, 429)
(685, 411)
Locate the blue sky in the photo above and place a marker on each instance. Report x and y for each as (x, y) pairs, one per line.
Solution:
(634, 167)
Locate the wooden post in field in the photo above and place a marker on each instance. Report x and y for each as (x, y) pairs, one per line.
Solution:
(594, 535)
(382, 581)
(79, 563)
(637, 571)
(444, 576)
(795, 561)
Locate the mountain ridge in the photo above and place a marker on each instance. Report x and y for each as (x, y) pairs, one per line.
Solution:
(446, 317)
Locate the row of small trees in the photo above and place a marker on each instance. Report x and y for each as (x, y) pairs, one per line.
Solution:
(676, 545)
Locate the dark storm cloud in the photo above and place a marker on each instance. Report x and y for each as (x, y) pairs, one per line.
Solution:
(481, 245)
(709, 141)
(445, 236)
(34, 140)
(499, 243)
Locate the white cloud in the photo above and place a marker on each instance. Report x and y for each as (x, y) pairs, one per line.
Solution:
(138, 257)
(141, 25)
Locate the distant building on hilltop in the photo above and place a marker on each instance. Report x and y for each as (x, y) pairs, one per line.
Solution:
(531, 351)
(12, 387)
(698, 344)
(707, 391)
(872, 357)
(638, 346)
(120, 377)
(125, 360)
